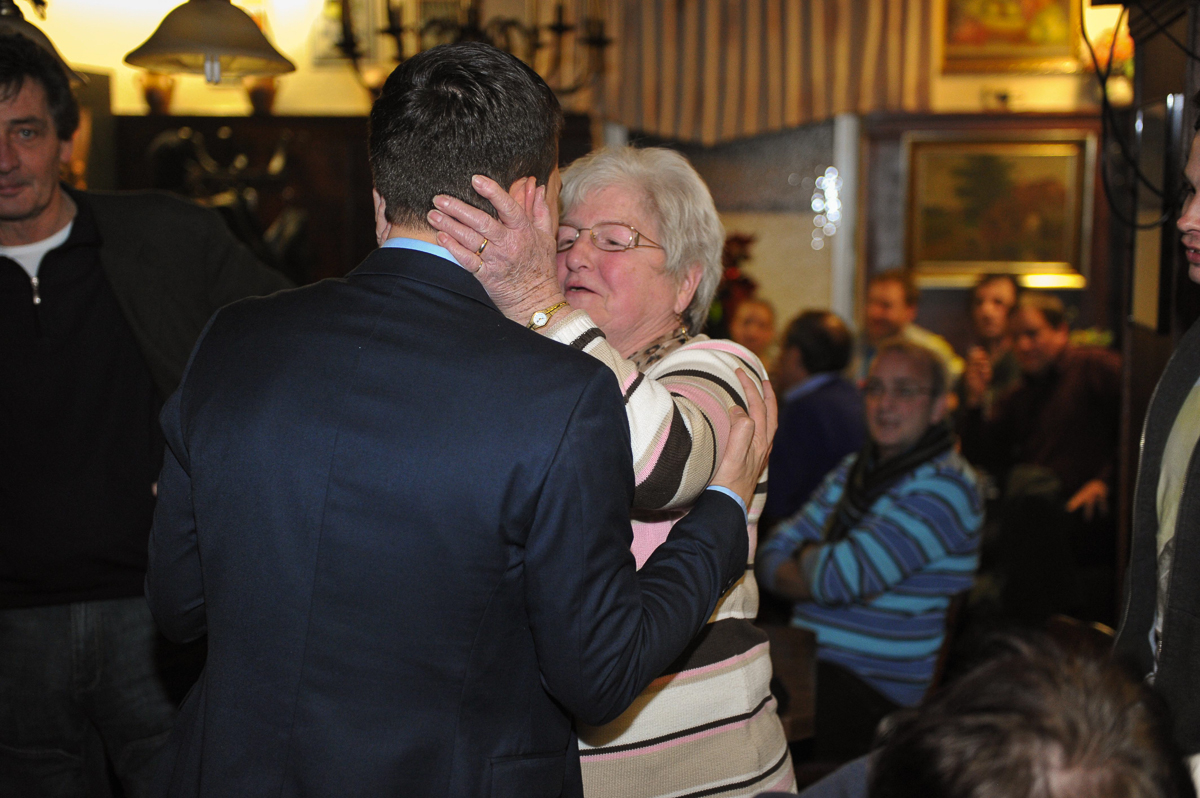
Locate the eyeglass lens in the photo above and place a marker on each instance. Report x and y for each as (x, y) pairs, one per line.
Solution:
(610, 236)
(904, 390)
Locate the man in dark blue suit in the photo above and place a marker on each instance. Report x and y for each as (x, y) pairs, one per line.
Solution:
(821, 414)
(402, 519)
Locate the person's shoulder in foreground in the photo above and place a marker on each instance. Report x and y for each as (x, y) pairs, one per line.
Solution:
(1035, 721)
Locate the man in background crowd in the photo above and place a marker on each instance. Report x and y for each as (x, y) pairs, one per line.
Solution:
(874, 558)
(991, 358)
(821, 412)
(891, 311)
(1052, 444)
(102, 297)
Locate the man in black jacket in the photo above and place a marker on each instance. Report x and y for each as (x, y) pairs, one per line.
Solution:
(1160, 624)
(102, 297)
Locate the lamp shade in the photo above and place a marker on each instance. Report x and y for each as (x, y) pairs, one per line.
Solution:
(214, 37)
(13, 21)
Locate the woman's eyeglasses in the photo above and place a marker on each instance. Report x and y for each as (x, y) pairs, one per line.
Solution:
(905, 391)
(608, 236)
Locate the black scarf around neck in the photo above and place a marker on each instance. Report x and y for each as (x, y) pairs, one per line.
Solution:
(868, 479)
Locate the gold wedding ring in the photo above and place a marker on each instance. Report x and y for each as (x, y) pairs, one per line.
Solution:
(482, 247)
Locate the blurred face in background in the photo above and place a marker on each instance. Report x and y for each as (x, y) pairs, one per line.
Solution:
(991, 305)
(900, 403)
(887, 312)
(1036, 343)
(753, 326)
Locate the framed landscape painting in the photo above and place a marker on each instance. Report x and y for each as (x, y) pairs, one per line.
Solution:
(1011, 36)
(1018, 202)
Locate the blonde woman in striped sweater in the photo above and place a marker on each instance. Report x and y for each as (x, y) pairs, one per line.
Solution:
(638, 262)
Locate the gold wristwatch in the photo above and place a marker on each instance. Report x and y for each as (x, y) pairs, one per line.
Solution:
(542, 317)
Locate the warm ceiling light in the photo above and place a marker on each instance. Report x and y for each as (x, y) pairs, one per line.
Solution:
(1053, 280)
(13, 21)
(214, 37)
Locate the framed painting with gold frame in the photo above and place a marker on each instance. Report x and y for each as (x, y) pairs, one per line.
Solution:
(1030, 36)
(1017, 202)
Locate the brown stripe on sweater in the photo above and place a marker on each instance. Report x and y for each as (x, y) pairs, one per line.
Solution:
(633, 387)
(664, 480)
(739, 785)
(717, 641)
(591, 335)
(708, 376)
(666, 738)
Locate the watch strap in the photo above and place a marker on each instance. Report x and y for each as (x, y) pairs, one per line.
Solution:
(541, 318)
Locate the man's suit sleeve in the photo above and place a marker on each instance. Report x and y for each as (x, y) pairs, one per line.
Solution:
(602, 629)
(174, 585)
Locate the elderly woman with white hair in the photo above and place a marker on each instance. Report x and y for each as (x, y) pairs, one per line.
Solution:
(638, 261)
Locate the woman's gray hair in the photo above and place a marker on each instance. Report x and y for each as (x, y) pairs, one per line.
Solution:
(689, 230)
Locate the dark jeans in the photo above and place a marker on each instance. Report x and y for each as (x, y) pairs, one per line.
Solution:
(82, 682)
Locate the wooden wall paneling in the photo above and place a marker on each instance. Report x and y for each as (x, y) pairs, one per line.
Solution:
(732, 54)
(691, 77)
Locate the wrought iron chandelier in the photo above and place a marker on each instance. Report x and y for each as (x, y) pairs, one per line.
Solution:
(514, 36)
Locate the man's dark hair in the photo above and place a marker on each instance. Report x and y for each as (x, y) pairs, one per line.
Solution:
(455, 111)
(824, 341)
(1050, 306)
(1035, 722)
(21, 59)
(925, 358)
(902, 276)
(987, 279)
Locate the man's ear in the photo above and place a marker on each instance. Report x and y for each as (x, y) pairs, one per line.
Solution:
(687, 287)
(383, 228)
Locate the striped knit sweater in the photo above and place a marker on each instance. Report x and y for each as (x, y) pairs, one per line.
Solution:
(708, 725)
(880, 595)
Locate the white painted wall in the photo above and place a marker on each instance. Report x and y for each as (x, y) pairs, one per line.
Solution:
(788, 270)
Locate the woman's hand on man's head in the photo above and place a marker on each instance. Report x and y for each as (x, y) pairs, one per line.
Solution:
(513, 256)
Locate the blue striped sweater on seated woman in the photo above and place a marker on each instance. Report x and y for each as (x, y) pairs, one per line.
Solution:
(880, 594)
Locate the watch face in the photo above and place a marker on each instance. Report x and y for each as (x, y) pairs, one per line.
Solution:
(539, 319)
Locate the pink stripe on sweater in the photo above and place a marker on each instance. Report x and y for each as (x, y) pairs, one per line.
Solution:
(785, 784)
(725, 664)
(648, 536)
(687, 738)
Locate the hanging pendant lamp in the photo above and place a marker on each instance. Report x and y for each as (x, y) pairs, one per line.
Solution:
(13, 21)
(213, 37)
